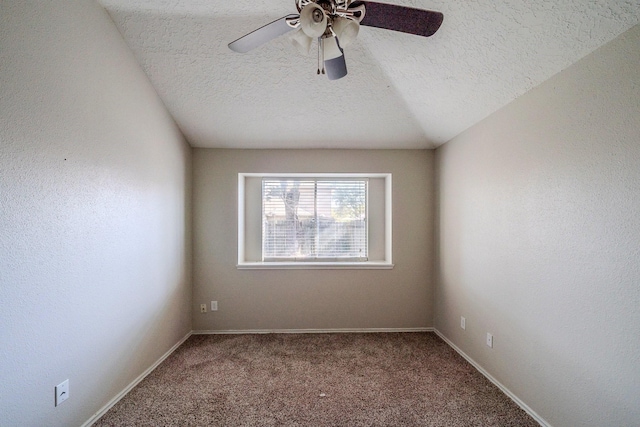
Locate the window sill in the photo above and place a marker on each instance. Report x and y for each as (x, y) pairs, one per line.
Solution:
(369, 265)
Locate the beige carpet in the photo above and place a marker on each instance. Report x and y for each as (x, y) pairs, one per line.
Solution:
(390, 379)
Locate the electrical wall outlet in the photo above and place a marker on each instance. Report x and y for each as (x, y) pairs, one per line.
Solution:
(463, 322)
(62, 392)
(489, 340)
(214, 305)
(203, 308)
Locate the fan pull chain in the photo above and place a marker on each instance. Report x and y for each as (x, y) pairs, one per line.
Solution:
(319, 47)
(322, 55)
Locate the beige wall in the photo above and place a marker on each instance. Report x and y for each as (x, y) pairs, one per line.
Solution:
(94, 214)
(539, 236)
(312, 299)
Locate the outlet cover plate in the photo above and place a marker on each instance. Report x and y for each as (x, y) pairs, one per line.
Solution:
(489, 340)
(463, 322)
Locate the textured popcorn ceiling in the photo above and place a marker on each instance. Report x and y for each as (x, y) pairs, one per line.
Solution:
(402, 91)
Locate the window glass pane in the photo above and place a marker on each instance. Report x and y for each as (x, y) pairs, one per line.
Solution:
(306, 219)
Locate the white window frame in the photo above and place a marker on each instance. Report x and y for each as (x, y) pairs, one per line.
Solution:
(385, 263)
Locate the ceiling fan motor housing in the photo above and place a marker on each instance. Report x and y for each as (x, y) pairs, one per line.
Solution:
(329, 6)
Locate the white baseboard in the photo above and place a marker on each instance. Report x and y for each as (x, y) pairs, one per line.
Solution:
(505, 390)
(134, 383)
(309, 331)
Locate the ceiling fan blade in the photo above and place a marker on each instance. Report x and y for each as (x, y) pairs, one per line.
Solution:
(336, 68)
(334, 63)
(400, 18)
(263, 34)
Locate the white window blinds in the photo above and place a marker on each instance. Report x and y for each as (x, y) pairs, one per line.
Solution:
(314, 219)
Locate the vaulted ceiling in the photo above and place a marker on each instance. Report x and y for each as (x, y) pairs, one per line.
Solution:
(402, 91)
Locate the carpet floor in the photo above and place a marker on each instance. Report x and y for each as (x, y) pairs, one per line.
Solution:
(372, 379)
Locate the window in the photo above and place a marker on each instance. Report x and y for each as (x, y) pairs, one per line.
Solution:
(314, 220)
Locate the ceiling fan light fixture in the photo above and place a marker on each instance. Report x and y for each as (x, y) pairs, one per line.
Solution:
(346, 29)
(313, 20)
(302, 42)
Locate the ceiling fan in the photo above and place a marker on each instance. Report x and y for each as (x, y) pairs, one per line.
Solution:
(335, 24)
